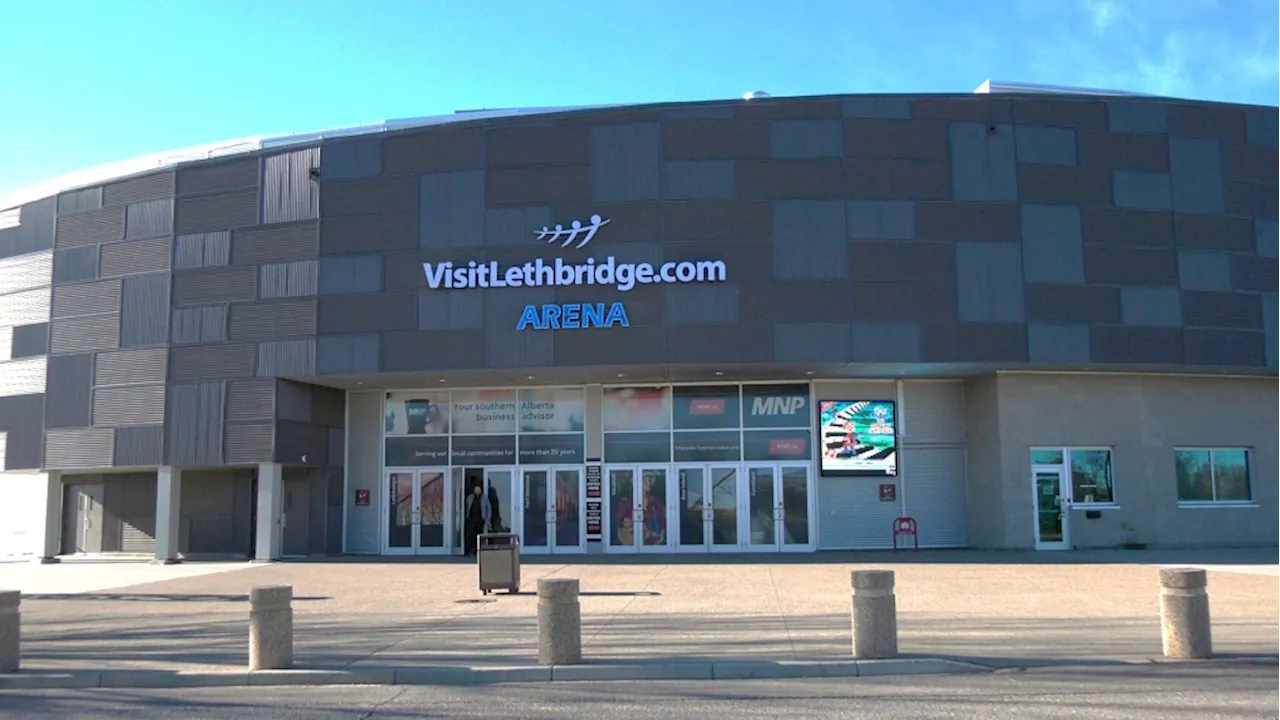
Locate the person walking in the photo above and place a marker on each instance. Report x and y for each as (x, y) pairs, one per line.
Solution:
(476, 514)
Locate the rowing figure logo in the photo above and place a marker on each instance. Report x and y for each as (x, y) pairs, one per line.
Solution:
(571, 233)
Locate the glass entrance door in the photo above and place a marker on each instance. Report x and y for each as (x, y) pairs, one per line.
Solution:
(551, 520)
(707, 508)
(778, 507)
(417, 519)
(497, 487)
(640, 509)
(1049, 484)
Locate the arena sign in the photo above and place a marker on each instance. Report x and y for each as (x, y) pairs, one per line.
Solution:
(557, 272)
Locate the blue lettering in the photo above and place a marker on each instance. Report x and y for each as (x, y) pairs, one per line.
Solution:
(551, 317)
(593, 315)
(617, 314)
(571, 316)
(529, 317)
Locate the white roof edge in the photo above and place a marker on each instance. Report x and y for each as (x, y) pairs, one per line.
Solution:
(243, 146)
(1000, 86)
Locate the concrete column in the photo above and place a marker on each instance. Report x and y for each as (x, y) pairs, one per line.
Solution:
(271, 627)
(51, 546)
(168, 514)
(270, 512)
(10, 630)
(1184, 614)
(559, 622)
(875, 615)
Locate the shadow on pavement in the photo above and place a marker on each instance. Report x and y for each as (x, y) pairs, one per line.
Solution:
(158, 597)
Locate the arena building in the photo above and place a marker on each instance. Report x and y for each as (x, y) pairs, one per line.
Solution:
(1028, 317)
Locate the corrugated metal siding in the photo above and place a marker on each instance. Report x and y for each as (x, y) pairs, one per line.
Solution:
(211, 361)
(98, 226)
(935, 494)
(144, 315)
(251, 399)
(299, 241)
(288, 192)
(194, 430)
(130, 405)
(148, 219)
(199, 324)
(139, 445)
(625, 162)
(216, 212)
(68, 402)
(291, 279)
(933, 413)
(95, 333)
(11, 218)
(26, 271)
(128, 367)
(853, 516)
(234, 175)
(94, 298)
(702, 304)
(141, 256)
(79, 448)
(202, 250)
(302, 443)
(139, 189)
(6, 343)
(22, 377)
(250, 442)
(293, 401)
(265, 321)
(211, 284)
(25, 308)
(4, 437)
(80, 200)
(340, 354)
(286, 358)
(75, 264)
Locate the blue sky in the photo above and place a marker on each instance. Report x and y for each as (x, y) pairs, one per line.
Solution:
(84, 82)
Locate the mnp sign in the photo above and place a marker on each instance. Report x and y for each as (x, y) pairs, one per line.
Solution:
(775, 406)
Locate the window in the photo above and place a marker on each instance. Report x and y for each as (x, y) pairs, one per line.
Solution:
(1091, 479)
(1212, 475)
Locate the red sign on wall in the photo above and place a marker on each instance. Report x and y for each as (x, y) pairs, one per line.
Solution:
(362, 498)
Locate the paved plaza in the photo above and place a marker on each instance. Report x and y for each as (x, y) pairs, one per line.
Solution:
(1000, 609)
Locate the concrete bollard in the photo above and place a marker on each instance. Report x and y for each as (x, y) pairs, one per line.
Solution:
(271, 627)
(875, 615)
(559, 622)
(10, 630)
(1184, 614)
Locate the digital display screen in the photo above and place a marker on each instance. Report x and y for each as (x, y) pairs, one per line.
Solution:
(859, 438)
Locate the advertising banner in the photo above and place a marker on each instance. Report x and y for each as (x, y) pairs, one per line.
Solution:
(775, 445)
(551, 449)
(707, 446)
(639, 408)
(775, 406)
(416, 413)
(477, 412)
(483, 450)
(859, 438)
(705, 408)
(552, 411)
(417, 451)
(644, 447)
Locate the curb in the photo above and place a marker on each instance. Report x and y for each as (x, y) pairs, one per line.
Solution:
(463, 675)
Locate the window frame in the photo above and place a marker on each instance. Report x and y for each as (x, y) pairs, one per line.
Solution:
(1065, 465)
(1213, 478)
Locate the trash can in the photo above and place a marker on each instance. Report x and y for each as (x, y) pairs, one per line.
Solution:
(498, 558)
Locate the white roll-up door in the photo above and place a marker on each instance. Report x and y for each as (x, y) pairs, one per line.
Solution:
(932, 462)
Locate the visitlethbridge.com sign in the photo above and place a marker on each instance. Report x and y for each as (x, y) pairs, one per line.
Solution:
(557, 272)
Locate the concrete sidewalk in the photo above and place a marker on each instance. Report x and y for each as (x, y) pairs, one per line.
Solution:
(380, 615)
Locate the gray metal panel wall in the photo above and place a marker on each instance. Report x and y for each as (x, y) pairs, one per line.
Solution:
(251, 399)
(340, 354)
(127, 367)
(286, 358)
(129, 405)
(451, 209)
(140, 445)
(982, 162)
(351, 160)
(625, 162)
(93, 298)
(80, 200)
(26, 272)
(270, 320)
(207, 362)
(989, 283)
(344, 274)
(237, 174)
(68, 394)
(22, 422)
(82, 334)
(212, 284)
(213, 213)
(194, 428)
(202, 250)
(98, 226)
(288, 191)
(148, 219)
(198, 324)
(809, 240)
(288, 279)
(138, 189)
(250, 442)
(296, 241)
(144, 315)
(75, 264)
(79, 448)
(139, 256)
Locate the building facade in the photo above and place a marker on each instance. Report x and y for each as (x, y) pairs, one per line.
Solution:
(1031, 321)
